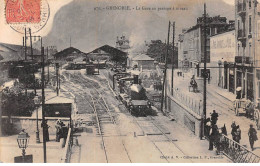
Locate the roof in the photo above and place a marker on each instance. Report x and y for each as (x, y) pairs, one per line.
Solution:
(132, 55)
(59, 100)
(217, 22)
(143, 57)
(109, 49)
(68, 51)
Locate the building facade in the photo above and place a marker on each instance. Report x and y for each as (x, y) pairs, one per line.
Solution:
(122, 43)
(192, 45)
(222, 53)
(247, 73)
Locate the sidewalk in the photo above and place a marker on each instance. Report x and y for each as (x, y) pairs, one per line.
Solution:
(220, 100)
(9, 149)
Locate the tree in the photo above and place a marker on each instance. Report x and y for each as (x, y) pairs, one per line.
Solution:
(157, 50)
(16, 103)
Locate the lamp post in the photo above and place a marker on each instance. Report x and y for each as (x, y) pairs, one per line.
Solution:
(23, 140)
(37, 101)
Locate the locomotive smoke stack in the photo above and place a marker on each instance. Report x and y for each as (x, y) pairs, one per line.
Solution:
(136, 81)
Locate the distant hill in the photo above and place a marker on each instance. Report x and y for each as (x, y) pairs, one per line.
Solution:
(10, 52)
(90, 29)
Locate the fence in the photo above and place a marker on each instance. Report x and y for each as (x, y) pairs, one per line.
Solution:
(193, 104)
(67, 152)
(238, 153)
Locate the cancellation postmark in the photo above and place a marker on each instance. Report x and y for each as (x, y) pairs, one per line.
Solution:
(21, 14)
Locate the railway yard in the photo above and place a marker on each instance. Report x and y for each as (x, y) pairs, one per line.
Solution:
(105, 131)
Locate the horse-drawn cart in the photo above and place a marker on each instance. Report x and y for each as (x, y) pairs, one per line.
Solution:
(248, 109)
(240, 106)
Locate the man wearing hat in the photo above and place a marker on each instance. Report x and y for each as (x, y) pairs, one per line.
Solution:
(58, 130)
(252, 134)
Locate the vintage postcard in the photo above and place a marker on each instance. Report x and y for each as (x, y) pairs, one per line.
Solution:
(130, 81)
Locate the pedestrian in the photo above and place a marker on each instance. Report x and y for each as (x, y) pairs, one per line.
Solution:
(224, 130)
(252, 134)
(58, 130)
(45, 128)
(233, 124)
(207, 127)
(238, 91)
(237, 134)
(214, 134)
(214, 117)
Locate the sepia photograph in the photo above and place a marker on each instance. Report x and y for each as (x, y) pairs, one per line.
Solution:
(129, 81)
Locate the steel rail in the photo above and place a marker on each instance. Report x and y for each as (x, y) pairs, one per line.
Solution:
(99, 128)
(169, 139)
(136, 121)
(111, 117)
(106, 108)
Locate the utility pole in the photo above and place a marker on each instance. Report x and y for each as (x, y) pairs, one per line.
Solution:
(25, 47)
(31, 43)
(57, 76)
(48, 64)
(173, 34)
(43, 108)
(165, 70)
(204, 73)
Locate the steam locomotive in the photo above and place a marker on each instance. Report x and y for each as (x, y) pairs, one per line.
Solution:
(133, 95)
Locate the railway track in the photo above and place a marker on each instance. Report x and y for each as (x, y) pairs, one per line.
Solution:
(104, 118)
(163, 133)
(105, 121)
(165, 137)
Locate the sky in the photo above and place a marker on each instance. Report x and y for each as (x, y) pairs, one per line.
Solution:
(89, 28)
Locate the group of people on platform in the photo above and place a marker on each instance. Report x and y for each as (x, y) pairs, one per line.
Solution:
(215, 134)
(61, 130)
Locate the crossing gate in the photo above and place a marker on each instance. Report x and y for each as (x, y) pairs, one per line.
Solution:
(238, 153)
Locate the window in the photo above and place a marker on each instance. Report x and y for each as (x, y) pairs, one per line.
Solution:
(250, 48)
(249, 4)
(250, 24)
(238, 24)
(238, 49)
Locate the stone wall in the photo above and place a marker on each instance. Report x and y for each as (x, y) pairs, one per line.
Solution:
(184, 115)
(29, 124)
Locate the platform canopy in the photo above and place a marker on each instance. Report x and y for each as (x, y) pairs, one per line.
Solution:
(59, 100)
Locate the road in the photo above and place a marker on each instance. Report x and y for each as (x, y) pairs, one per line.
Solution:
(109, 134)
(222, 106)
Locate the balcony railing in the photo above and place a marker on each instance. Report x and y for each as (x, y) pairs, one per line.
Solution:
(243, 59)
(241, 34)
(241, 7)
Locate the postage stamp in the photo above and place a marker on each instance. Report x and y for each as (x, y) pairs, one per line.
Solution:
(21, 11)
(21, 14)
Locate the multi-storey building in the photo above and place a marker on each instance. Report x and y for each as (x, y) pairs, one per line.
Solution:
(222, 53)
(191, 41)
(247, 71)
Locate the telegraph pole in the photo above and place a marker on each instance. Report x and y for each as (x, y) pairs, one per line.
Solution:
(165, 70)
(204, 73)
(43, 108)
(48, 64)
(31, 43)
(173, 34)
(57, 77)
(25, 47)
